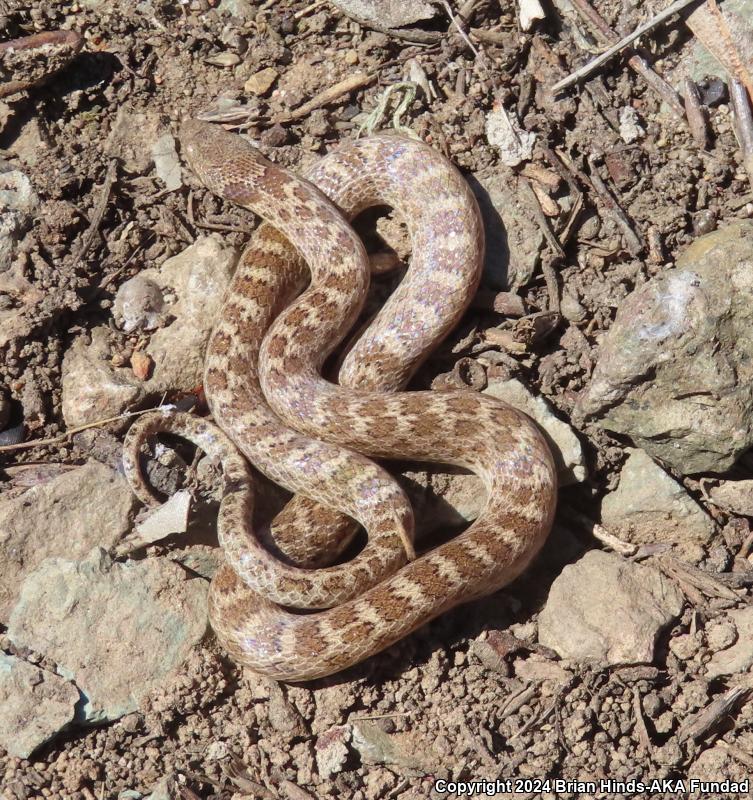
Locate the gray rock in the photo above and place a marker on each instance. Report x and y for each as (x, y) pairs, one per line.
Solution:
(675, 370)
(139, 303)
(738, 657)
(34, 705)
(609, 610)
(388, 13)
(650, 506)
(18, 204)
(513, 239)
(64, 516)
(116, 630)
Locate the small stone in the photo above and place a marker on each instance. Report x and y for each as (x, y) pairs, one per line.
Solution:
(34, 705)
(141, 364)
(351, 57)
(224, 59)
(630, 127)
(332, 750)
(261, 82)
(720, 634)
(166, 162)
(579, 619)
(283, 715)
(139, 303)
(685, 646)
(738, 657)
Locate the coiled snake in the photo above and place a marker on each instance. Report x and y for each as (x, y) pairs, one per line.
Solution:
(266, 393)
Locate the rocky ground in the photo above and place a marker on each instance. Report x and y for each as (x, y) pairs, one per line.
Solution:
(614, 310)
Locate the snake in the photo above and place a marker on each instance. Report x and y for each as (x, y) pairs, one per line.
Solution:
(284, 603)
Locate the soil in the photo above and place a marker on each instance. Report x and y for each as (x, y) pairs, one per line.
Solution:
(451, 710)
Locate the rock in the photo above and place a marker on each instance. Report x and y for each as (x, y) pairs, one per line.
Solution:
(261, 82)
(34, 705)
(630, 126)
(166, 162)
(530, 11)
(504, 132)
(332, 750)
(606, 609)
(94, 388)
(738, 657)
(674, 371)
(404, 750)
(18, 205)
(734, 496)
(387, 13)
(116, 630)
(283, 715)
(139, 303)
(164, 790)
(566, 447)
(513, 239)
(533, 669)
(650, 506)
(64, 516)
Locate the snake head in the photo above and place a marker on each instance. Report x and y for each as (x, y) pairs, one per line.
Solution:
(224, 162)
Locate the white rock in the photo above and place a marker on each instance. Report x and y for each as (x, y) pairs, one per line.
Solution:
(166, 162)
(739, 657)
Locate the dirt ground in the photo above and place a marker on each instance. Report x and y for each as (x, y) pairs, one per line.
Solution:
(472, 695)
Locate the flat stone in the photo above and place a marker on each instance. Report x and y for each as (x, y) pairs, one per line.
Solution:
(675, 370)
(116, 630)
(34, 705)
(650, 506)
(65, 516)
(609, 610)
(166, 162)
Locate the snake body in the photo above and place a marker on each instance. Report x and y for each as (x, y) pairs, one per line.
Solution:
(265, 389)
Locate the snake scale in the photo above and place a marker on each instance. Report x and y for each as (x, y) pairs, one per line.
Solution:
(263, 379)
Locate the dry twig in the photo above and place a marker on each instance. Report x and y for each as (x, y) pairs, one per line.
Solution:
(344, 87)
(636, 61)
(619, 46)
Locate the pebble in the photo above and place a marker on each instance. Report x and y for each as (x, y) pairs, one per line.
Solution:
(261, 82)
